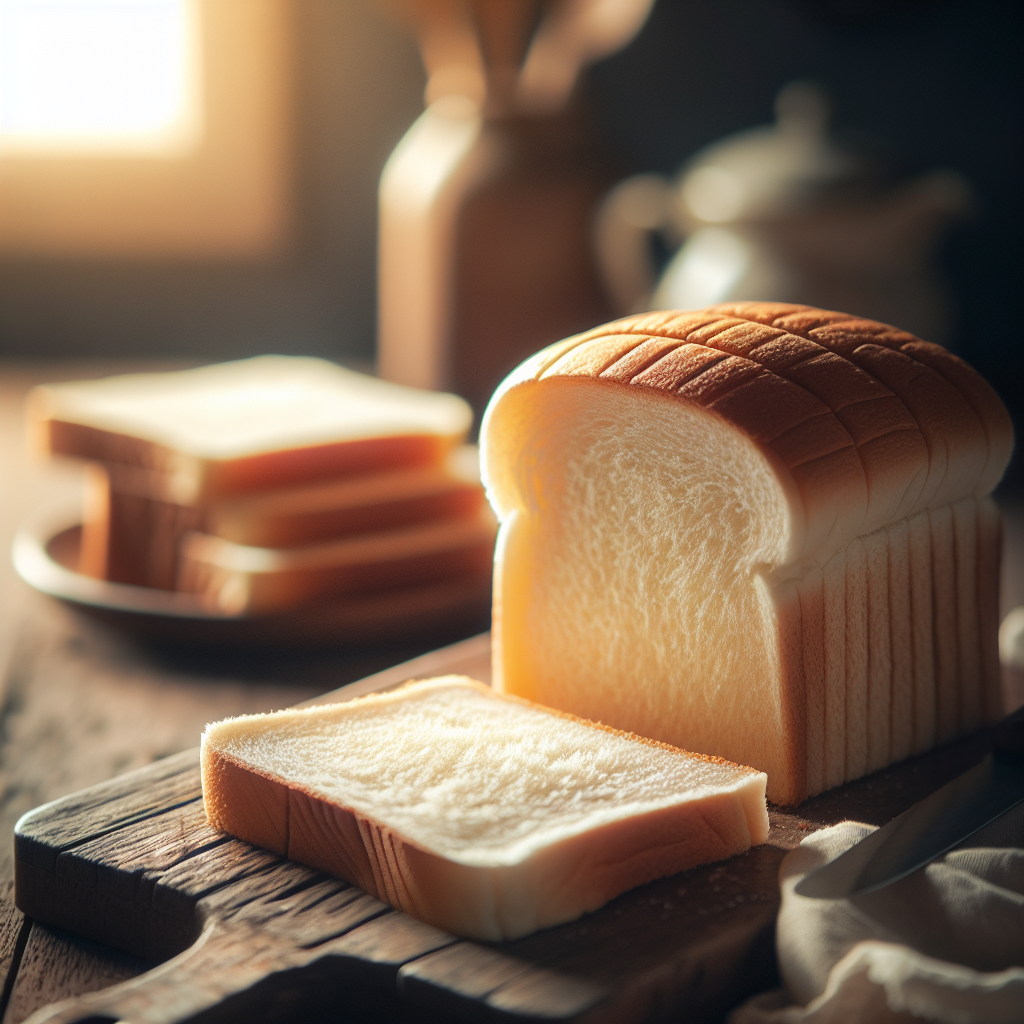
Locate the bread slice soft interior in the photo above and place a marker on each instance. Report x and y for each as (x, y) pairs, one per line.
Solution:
(757, 530)
(484, 815)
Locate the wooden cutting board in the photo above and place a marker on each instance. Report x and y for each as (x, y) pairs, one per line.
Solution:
(247, 935)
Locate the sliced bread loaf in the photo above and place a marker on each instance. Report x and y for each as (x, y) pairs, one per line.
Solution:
(758, 530)
(485, 815)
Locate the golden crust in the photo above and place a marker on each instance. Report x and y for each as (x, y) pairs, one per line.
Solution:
(849, 406)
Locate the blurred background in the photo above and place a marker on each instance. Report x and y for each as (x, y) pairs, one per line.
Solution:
(226, 205)
(436, 188)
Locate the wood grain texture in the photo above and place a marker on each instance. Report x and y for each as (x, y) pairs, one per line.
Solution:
(132, 863)
(79, 708)
(120, 702)
(163, 880)
(52, 967)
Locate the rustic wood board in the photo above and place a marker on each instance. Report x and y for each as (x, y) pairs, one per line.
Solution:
(251, 936)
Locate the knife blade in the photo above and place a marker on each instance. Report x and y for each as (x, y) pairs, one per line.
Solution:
(932, 826)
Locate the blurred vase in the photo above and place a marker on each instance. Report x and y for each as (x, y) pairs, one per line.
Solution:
(780, 213)
(485, 245)
(487, 204)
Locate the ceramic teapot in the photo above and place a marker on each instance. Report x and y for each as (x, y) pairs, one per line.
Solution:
(781, 213)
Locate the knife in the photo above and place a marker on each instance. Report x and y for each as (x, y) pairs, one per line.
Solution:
(931, 827)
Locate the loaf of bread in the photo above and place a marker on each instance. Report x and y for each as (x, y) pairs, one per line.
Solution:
(237, 579)
(486, 816)
(246, 426)
(756, 530)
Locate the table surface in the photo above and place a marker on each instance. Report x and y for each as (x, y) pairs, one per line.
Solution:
(80, 704)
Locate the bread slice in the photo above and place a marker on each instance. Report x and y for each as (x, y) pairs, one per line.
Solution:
(757, 530)
(484, 815)
(246, 426)
(133, 530)
(238, 579)
(367, 503)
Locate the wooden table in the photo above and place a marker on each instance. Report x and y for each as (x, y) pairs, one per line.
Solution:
(80, 704)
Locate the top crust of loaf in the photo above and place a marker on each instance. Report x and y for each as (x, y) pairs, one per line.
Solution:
(866, 423)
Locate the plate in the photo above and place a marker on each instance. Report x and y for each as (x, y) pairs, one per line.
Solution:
(45, 554)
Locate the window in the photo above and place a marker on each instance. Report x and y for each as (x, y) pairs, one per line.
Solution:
(100, 76)
(144, 127)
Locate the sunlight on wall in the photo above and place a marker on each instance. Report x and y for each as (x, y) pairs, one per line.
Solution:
(100, 76)
(122, 136)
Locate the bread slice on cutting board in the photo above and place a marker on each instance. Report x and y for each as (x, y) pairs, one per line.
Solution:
(484, 815)
(757, 530)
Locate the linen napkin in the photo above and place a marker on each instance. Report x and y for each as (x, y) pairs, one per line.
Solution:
(943, 944)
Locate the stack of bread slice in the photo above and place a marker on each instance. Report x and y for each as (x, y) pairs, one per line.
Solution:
(758, 530)
(272, 483)
(484, 815)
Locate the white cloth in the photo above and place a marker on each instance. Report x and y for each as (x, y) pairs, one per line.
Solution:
(943, 944)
